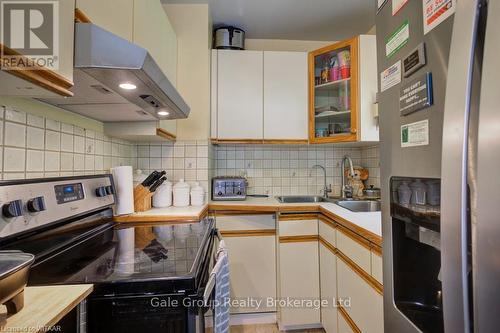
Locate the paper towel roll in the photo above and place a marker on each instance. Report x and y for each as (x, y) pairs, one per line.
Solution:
(123, 179)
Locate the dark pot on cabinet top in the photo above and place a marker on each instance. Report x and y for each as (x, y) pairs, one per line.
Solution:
(14, 271)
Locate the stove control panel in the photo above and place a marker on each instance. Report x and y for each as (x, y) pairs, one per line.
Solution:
(68, 192)
(32, 203)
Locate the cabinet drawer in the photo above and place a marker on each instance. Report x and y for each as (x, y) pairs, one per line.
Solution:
(327, 232)
(366, 308)
(353, 249)
(376, 266)
(245, 222)
(298, 227)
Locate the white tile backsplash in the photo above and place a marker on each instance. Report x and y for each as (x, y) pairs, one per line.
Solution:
(283, 170)
(32, 146)
(15, 135)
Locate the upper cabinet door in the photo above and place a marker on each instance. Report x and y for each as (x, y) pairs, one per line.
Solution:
(285, 95)
(333, 81)
(342, 92)
(240, 94)
(153, 31)
(113, 15)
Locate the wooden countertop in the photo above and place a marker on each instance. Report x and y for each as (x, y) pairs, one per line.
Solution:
(44, 307)
(369, 225)
(168, 214)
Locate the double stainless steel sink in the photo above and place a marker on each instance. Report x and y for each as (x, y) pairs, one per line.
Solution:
(353, 205)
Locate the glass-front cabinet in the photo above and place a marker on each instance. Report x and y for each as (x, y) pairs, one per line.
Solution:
(333, 93)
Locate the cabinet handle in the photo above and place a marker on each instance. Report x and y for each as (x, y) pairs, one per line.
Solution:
(354, 131)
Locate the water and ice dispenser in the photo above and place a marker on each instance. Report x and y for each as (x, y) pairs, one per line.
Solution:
(415, 212)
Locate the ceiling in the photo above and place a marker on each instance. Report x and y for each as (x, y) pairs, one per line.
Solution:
(326, 20)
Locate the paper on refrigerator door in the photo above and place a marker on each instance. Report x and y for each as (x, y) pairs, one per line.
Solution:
(436, 11)
(415, 134)
(391, 76)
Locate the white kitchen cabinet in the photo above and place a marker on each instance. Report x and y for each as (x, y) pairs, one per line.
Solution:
(239, 94)
(259, 97)
(116, 16)
(343, 325)
(57, 80)
(299, 280)
(328, 285)
(354, 250)
(251, 243)
(298, 271)
(152, 30)
(285, 96)
(366, 308)
(376, 260)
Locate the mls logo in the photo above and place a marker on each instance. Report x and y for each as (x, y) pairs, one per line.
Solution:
(30, 34)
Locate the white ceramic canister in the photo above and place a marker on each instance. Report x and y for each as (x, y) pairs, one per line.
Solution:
(197, 195)
(181, 194)
(163, 195)
(138, 177)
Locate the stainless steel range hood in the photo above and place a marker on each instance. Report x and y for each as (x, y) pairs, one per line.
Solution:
(103, 61)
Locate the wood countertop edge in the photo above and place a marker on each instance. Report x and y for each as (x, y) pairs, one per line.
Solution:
(256, 209)
(72, 305)
(132, 218)
(373, 238)
(37, 294)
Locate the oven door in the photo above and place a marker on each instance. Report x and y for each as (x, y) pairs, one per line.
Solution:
(156, 313)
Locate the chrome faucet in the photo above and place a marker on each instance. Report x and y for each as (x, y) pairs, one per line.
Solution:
(346, 190)
(326, 189)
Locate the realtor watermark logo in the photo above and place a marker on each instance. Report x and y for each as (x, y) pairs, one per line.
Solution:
(30, 32)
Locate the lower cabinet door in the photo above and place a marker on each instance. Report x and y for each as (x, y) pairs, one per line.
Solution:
(252, 269)
(328, 278)
(366, 304)
(299, 281)
(343, 326)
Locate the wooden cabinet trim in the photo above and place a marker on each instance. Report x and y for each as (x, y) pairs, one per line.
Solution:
(248, 233)
(297, 217)
(165, 134)
(243, 141)
(361, 273)
(81, 17)
(370, 236)
(355, 237)
(222, 210)
(298, 239)
(377, 250)
(42, 77)
(327, 244)
(354, 136)
(329, 222)
(348, 319)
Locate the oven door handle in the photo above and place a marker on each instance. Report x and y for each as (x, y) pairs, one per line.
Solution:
(209, 288)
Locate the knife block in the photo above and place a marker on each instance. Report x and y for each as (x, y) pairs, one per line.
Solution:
(142, 198)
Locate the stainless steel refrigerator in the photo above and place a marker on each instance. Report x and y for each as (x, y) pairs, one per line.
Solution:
(439, 109)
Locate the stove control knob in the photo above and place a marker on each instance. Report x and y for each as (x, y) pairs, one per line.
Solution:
(13, 208)
(110, 190)
(36, 205)
(101, 191)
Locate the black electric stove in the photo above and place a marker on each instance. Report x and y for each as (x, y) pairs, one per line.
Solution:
(146, 277)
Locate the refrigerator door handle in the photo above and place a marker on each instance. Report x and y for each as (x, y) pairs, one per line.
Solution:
(454, 198)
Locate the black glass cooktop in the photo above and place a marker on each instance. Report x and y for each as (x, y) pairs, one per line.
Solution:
(126, 253)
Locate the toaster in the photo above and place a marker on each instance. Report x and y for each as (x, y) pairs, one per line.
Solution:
(229, 188)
